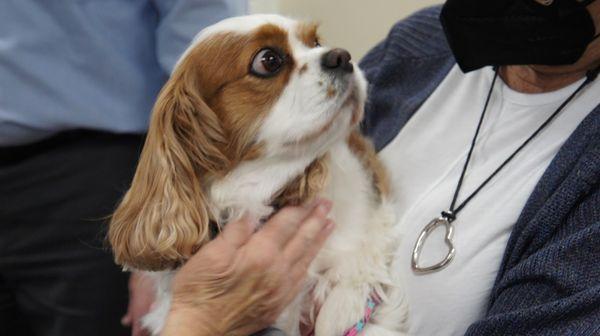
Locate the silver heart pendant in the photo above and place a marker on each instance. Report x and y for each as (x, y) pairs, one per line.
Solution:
(416, 254)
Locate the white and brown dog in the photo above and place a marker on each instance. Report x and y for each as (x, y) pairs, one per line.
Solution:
(258, 115)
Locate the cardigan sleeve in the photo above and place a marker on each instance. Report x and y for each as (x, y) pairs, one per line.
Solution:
(554, 288)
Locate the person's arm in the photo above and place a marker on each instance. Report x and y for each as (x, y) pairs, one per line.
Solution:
(241, 281)
(553, 286)
(180, 20)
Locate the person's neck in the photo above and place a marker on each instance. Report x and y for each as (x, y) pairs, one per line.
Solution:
(526, 79)
(540, 78)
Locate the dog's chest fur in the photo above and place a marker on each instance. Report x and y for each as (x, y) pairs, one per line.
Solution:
(354, 264)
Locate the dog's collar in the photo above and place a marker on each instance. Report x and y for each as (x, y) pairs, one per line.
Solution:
(358, 327)
(372, 304)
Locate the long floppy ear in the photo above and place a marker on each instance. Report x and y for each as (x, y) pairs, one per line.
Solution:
(164, 217)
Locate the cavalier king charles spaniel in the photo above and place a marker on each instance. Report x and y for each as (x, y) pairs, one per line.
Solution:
(258, 115)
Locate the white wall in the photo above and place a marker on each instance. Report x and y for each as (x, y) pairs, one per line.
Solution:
(356, 25)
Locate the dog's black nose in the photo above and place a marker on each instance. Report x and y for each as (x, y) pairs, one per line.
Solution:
(337, 60)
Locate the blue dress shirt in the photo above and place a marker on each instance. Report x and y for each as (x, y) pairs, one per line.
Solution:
(91, 64)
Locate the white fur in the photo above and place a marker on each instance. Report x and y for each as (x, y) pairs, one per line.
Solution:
(355, 262)
(155, 320)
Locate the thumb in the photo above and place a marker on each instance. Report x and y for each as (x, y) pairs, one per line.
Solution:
(238, 232)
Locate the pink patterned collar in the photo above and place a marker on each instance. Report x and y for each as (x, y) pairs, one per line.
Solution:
(372, 303)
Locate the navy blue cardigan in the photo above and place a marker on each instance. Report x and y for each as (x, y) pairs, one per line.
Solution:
(549, 279)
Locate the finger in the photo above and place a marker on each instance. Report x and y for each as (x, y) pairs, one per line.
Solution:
(310, 237)
(238, 232)
(139, 330)
(312, 252)
(135, 330)
(297, 279)
(126, 320)
(286, 223)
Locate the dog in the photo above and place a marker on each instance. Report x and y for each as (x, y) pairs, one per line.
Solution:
(257, 115)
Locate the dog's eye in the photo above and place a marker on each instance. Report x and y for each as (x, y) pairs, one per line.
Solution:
(267, 63)
(317, 43)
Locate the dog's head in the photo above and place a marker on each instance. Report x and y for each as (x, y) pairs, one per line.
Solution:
(247, 88)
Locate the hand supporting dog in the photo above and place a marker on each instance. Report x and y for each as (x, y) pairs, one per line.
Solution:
(240, 282)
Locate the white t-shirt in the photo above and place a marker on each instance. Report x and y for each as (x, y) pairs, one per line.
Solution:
(425, 160)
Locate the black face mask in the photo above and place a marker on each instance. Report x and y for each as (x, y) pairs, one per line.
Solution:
(505, 32)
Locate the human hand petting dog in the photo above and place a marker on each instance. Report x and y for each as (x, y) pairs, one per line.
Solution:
(241, 281)
(141, 297)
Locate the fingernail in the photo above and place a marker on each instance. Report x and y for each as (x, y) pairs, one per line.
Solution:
(324, 207)
(329, 226)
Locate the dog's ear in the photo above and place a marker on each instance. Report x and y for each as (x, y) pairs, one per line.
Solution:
(164, 217)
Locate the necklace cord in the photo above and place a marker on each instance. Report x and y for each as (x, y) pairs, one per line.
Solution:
(593, 73)
(451, 215)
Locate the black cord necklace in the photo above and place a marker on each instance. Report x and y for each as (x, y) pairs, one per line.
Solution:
(447, 217)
